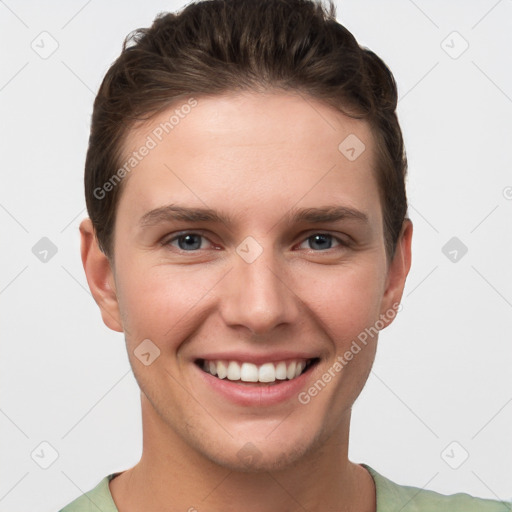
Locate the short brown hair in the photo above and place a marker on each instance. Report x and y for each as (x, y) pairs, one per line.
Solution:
(217, 46)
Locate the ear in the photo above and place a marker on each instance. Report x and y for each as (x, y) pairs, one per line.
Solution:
(100, 276)
(397, 273)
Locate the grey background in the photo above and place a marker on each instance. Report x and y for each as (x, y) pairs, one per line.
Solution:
(440, 387)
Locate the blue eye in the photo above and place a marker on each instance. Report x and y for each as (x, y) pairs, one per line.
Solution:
(322, 241)
(187, 241)
(192, 242)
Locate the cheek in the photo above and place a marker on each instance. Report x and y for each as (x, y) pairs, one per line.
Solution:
(157, 302)
(161, 302)
(346, 300)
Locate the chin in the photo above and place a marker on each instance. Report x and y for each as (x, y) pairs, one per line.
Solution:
(263, 455)
(259, 462)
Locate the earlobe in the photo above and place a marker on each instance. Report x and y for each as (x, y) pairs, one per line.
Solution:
(99, 276)
(397, 272)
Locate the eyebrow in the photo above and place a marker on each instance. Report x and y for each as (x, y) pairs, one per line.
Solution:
(325, 214)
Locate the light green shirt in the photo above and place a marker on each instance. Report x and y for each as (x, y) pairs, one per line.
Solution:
(391, 497)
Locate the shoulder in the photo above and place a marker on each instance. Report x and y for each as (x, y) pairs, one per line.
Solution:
(96, 499)
(392, 497)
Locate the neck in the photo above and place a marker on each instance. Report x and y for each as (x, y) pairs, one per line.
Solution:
(170, 473)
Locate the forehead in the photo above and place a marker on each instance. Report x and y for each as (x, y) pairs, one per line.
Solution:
(244, 151)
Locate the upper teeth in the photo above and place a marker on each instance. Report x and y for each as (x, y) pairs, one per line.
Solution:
(249, 372)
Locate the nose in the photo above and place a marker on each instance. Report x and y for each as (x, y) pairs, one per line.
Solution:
(259, 295)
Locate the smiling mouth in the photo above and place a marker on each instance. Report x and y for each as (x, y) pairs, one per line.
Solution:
(266, 373)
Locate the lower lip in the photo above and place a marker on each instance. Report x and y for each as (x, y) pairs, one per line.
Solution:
(256, 395)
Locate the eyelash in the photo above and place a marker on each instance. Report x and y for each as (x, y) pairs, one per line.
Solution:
(342, 243)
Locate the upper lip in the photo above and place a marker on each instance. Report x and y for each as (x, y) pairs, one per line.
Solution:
(244, 357)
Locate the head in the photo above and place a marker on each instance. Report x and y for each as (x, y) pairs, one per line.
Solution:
(264, 133)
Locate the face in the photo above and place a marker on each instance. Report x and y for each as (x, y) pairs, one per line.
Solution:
(247, 245)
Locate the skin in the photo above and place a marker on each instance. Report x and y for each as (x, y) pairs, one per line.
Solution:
(254, 157)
